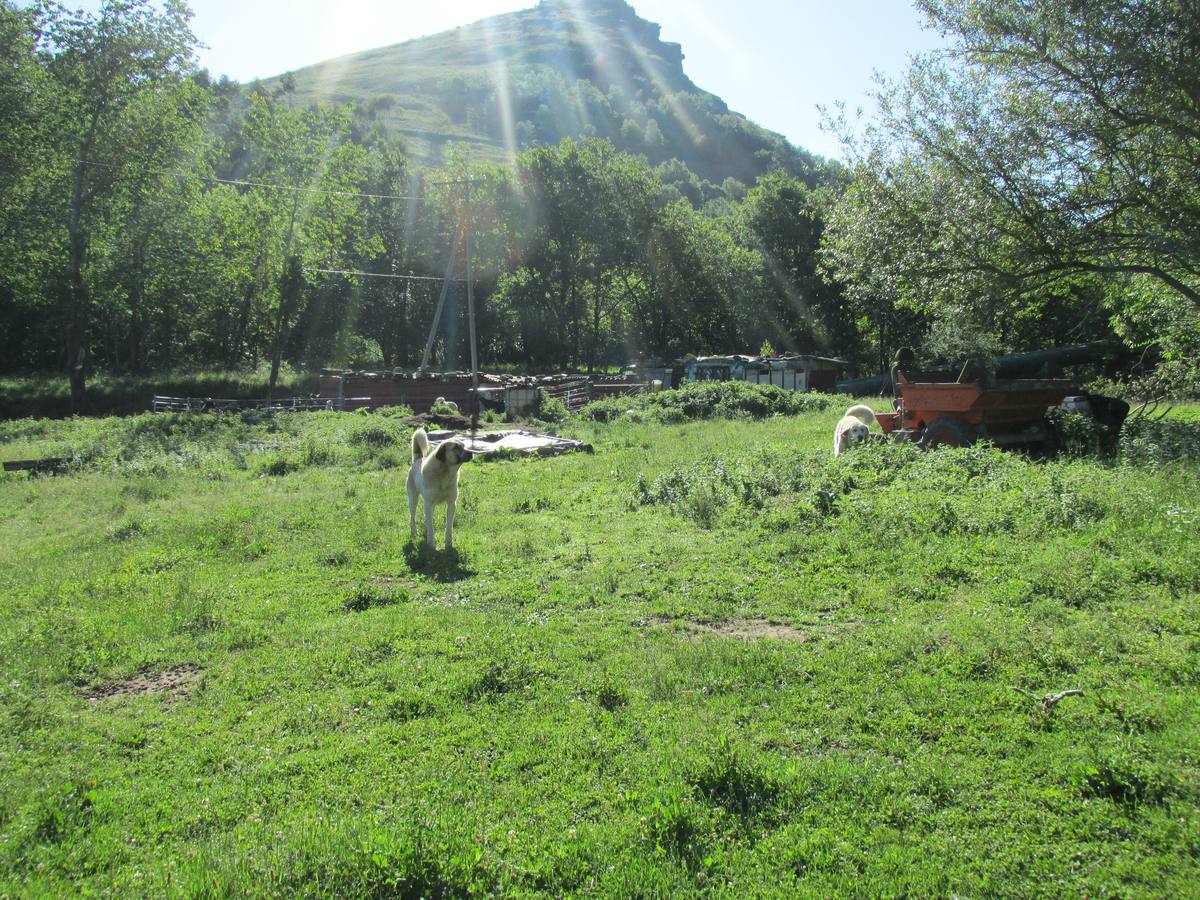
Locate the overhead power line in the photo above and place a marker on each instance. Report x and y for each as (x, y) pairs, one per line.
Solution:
(236, 182)
(239, 183)
(379, 275)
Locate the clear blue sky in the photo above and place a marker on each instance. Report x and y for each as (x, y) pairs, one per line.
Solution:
(773, 60)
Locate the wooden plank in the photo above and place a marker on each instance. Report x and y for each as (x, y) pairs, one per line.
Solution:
(48, 464)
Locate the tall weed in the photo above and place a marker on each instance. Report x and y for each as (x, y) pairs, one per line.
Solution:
(1157, 443)
(709, 400)
(888, 489)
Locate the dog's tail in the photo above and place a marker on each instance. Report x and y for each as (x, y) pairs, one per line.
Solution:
(420, 444)
(863, 413)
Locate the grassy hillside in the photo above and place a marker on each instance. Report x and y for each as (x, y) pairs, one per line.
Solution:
(706, 658)
(558, 70)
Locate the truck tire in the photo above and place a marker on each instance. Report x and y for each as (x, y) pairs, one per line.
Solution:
(948, 432)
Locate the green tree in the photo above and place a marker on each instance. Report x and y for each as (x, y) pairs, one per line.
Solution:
(107, 70)
(589, 207)
(806, 311)
(303, 221)
(1052, 143)
(28, 224)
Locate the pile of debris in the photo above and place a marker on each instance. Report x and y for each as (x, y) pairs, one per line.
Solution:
(516, 395)
(503, 444)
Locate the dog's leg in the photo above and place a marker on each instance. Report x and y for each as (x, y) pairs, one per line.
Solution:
(412, 509)
(450, 520)
(429, 538)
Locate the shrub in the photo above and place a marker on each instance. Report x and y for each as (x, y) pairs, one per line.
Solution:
(278, 466)
(551, 409)
(318, 453)
(1077, 435)
(670, 825)
(709, 400)
(1126, 777)
(374, 436)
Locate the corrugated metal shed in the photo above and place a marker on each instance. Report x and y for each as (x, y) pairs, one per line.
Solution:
(798, 372)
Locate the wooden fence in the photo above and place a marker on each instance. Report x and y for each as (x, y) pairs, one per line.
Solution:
(162, 404)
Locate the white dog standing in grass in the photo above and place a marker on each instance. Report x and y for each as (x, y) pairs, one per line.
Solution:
(434, 478)
(854, 428)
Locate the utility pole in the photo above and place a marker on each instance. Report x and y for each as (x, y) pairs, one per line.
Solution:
(471, 312)
(466, 235)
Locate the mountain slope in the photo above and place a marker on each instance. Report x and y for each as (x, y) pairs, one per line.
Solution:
(566, 68)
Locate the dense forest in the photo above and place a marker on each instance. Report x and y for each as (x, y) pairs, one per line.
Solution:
(1034, 184)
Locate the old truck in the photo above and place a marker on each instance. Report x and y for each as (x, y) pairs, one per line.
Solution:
(975, 407)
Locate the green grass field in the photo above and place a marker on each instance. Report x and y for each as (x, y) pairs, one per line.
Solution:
(706, 659)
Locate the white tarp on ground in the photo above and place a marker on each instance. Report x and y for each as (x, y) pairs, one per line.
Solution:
(526, 443)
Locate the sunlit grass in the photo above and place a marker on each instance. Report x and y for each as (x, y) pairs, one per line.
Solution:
(563, 706)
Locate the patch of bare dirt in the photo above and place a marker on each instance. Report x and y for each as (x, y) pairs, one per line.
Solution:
(749, 630)
(760, 629)
(175, 683)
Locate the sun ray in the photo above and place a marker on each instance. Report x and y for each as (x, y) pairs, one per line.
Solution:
(795, 298)
(502, 81)
(653, 72)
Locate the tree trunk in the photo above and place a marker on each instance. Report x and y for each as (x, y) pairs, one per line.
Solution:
(138, 326)
(243, 324)
(289, 301)
(596, 310)
(77, 317)
(577, 325)
(76, 356)
(277, 349)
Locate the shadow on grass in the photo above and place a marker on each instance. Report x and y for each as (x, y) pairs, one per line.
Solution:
(446, 566)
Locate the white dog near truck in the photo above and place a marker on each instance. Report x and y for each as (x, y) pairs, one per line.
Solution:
(854, 428)
(434, 479)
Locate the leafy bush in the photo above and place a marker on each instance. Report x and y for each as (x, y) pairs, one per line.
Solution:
(671, 825)
(278, 466)
(505, 673)
(1077, 435)
(1124, 776)
(551, 409)
(375, 436)
(709, 400)
(318, 453)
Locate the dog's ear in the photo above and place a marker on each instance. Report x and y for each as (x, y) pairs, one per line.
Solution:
(441, 452)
